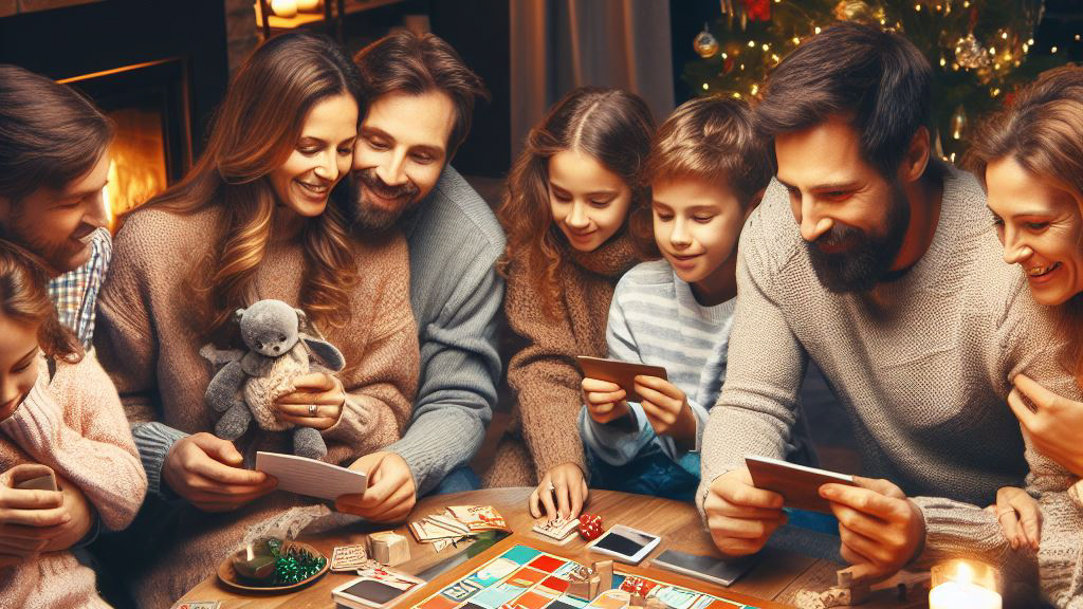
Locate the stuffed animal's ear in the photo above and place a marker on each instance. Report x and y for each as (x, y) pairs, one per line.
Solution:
(237, 315)
(304, 326)
(325, 352)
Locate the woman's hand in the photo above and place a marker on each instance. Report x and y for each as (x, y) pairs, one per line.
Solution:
(29, 519)
(317, 401)
(391, 492)
(569, 486)
(667, 409)
(1019, 517)
(1055, 425)
(604, 400)
(208, 472)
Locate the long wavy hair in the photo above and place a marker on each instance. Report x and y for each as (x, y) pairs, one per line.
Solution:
(612, 126)
(1042, 130)
(24, 297)
(254, 131)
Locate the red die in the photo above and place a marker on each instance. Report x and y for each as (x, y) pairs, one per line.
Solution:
(590, 526)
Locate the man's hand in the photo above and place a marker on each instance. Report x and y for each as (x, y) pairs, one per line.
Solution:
(604, 400)
(740, 516)
(881, 529)
(667, 409)
(206, 470)
(561, 492)
(391, 492)
(319, 389)
(1019, 517)
(1054, 426)
(29, 519)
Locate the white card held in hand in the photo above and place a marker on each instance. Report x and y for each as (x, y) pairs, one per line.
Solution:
(310, 477)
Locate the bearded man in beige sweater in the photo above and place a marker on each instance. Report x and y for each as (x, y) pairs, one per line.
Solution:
(891, 281)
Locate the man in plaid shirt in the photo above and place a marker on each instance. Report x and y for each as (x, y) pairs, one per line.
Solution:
(76, 292)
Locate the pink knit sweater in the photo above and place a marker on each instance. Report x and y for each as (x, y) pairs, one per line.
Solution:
(74, 423)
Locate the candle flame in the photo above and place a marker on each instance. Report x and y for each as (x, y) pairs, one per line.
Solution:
(965, 574)
(248, 551)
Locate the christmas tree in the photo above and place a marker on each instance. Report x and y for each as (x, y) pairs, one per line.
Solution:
(980, 50)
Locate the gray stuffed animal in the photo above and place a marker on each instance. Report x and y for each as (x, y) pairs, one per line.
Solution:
(248, 385)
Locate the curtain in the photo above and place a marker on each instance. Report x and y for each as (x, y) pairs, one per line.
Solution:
(557, 45)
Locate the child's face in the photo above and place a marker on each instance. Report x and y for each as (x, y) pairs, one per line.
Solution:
(696, 225)
(18, 363)
(588, 202)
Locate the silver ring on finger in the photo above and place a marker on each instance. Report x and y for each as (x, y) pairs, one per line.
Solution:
(312, 410)
(552, 488)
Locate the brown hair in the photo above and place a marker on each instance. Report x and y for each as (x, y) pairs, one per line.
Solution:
(405, 62)
(49, 134)
(612, 126)
(255, 129)
(712, 139)
(1042, 130)
(24, 297)
(878, 79)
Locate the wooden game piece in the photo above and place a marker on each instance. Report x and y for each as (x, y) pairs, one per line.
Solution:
(583, 583)
(859, 588)
(590, 526)
(388, 548)
(604, 570)
(637, 600)
(656, 603)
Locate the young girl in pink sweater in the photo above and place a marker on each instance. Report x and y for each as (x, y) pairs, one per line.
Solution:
(59, 415)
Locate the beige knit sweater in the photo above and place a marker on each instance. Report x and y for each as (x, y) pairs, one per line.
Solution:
(150, 346)
(74, 423)
(544, 374)
(921, 365)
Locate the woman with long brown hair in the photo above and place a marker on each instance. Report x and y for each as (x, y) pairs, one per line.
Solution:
(254, 220)
(574, 199)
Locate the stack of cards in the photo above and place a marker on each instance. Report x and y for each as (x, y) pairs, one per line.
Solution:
(349, 558)
(558, 530)
(460, 522)
(376, 586)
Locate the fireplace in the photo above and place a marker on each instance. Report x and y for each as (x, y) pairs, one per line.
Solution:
(156, 68)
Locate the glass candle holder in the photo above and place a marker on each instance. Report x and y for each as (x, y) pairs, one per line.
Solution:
(965, 584)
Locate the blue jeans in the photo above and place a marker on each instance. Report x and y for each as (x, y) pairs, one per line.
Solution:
(650, 473)
(456, 481)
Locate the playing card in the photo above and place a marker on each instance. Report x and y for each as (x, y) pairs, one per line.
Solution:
(479, 517)
(349, 558)
(376, 571)
(198, 605)
(441, 544)
(425, 531)
(557, 528)
(450, 523)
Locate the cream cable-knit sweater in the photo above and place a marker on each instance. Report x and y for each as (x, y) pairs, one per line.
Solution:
(148, 342)
(921, 365)
(73, 423)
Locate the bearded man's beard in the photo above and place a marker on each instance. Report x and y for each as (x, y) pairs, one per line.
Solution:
(868, 258)
(366, 215)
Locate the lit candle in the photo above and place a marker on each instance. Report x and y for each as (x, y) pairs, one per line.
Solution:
(252, 566)
(960, 591)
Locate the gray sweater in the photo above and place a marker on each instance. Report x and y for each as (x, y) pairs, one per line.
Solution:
(455, 292)
(920, 365)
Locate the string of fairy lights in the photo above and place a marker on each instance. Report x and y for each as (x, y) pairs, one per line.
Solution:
(984, 49)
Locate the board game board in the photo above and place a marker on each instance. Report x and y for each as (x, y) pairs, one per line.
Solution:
(521, 573)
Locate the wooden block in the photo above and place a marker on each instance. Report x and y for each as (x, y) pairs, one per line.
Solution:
(604, 570)
(637, 600)
(656, 603)
(583, 583)
(389, 548)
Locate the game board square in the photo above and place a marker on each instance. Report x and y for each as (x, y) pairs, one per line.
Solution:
(534, 600)
(521, 554)
(438, 602)
(555, 584)
(526, 577)
(548, 564)
(608, 600)
(471, 606)
(676, 598)
(720, 603)
(494, 597)
(563, 605)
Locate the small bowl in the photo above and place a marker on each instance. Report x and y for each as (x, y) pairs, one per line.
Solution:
(228, 576)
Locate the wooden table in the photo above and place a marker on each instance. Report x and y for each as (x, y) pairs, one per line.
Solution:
(778, 576)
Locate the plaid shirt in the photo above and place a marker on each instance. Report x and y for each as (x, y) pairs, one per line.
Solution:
(75, 293)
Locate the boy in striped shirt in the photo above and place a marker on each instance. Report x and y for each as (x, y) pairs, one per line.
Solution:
(707, 171)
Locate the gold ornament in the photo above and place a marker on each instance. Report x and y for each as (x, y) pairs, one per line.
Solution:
(705, 44)
(970, 53)
(853, 10)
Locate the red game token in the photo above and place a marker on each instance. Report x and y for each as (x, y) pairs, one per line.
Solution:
(590, 526)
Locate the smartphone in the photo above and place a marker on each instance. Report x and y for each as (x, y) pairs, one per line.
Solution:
(367, 592)
(625, 544)
(37, 483)
(707, 568)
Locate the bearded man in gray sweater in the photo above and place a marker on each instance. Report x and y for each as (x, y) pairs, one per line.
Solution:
(419, 98)
(892, 281)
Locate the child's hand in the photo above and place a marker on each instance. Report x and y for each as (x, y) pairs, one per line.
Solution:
(1019, 517)
(604, 400)
(29, 519)
(667, 409)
